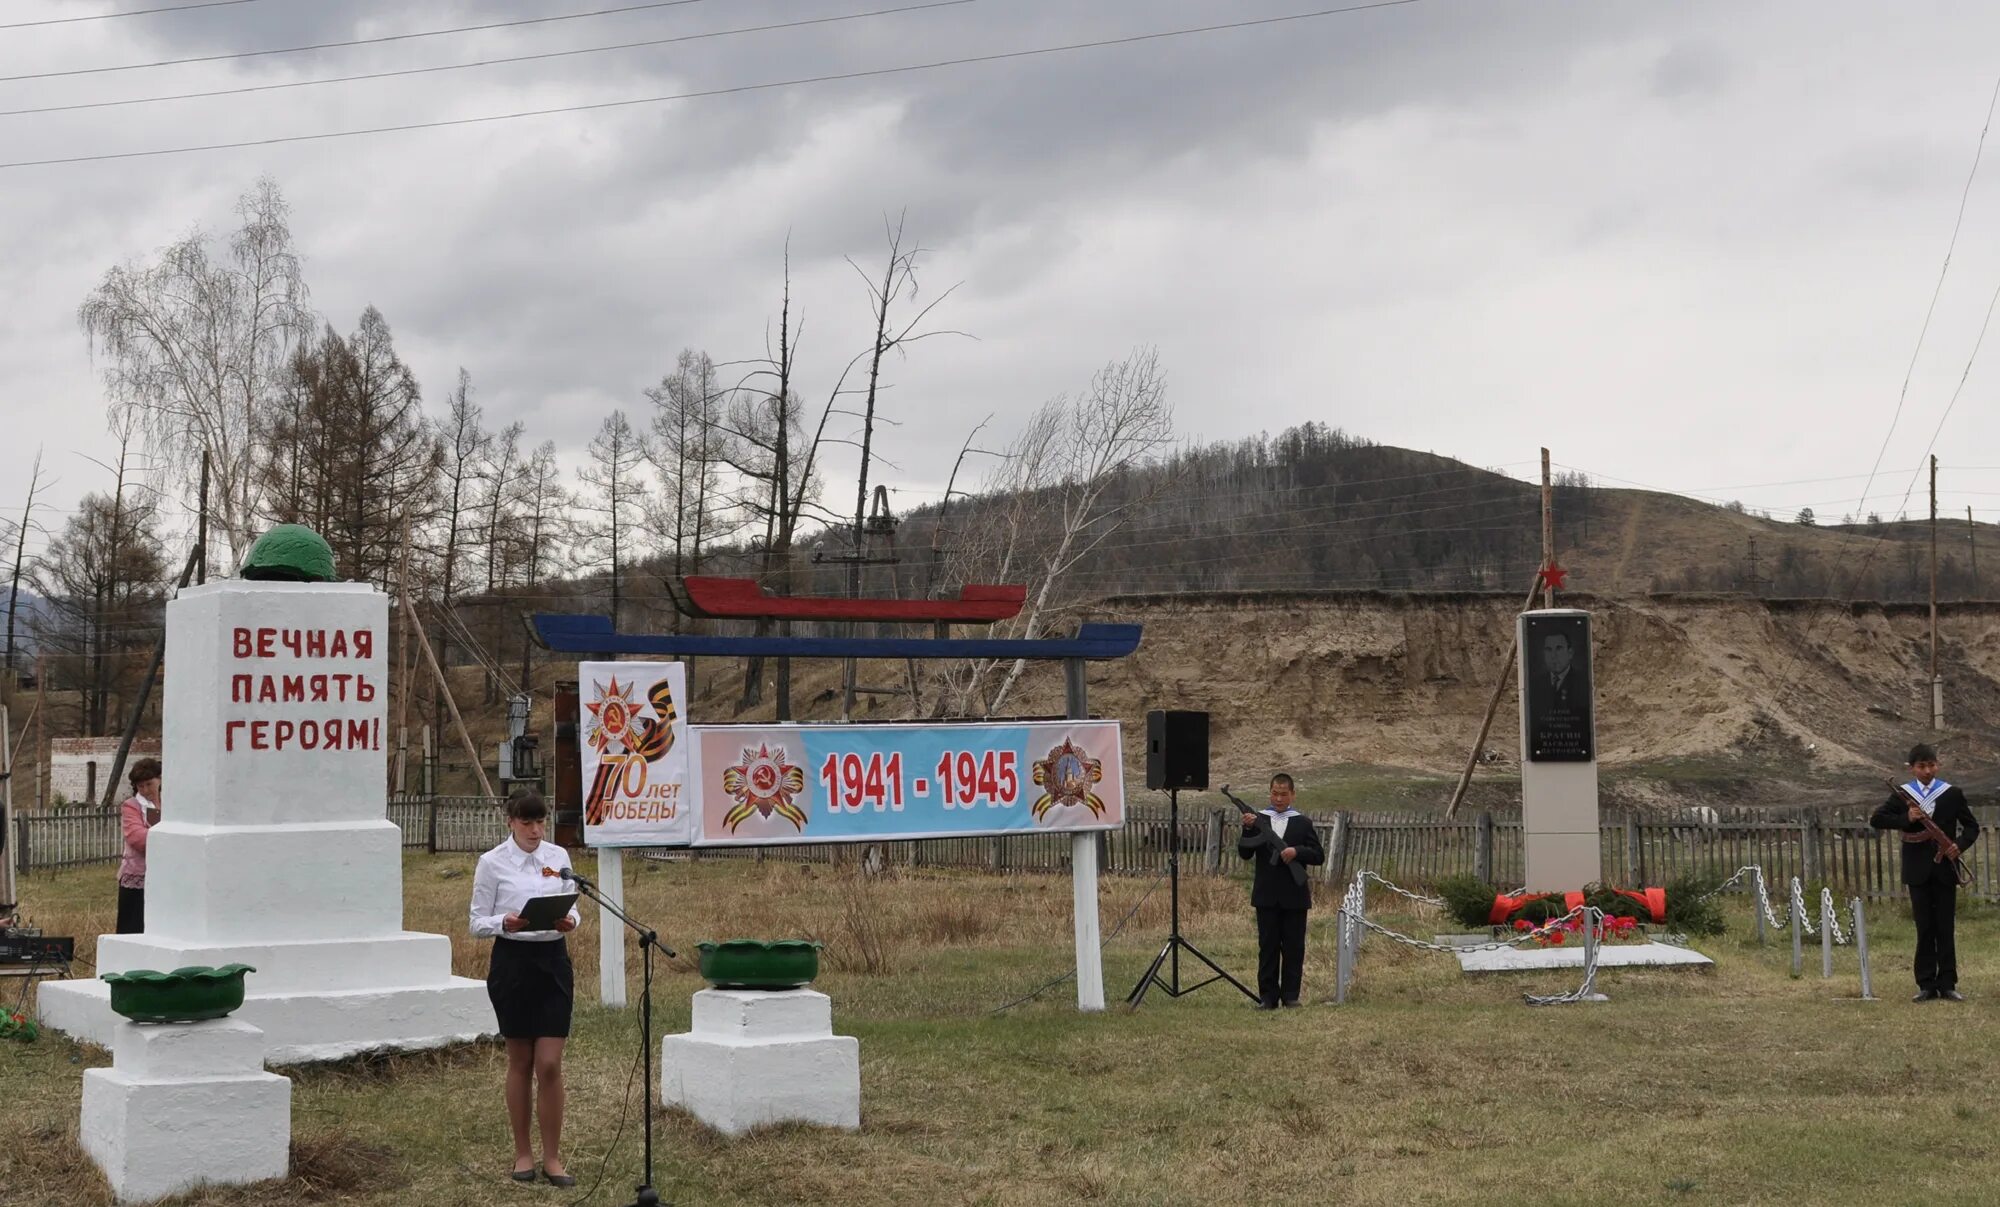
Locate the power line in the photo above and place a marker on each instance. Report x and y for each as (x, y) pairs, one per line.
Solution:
(707, 92)
(1978, 153)
(136, 12)
(524, 58)
(378, 41)
(1951, 246)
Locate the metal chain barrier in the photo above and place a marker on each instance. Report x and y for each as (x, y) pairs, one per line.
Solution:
(1593, 923)
(1353, 921)
(1540, 932)
(1756, 874)
(1811, 925)
(1365, 875)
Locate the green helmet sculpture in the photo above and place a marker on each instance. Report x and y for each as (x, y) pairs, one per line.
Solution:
(290, 553)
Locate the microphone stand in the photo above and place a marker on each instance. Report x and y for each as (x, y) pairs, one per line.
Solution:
(649, 940)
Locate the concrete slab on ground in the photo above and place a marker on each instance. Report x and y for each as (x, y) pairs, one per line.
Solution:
(1570, 955)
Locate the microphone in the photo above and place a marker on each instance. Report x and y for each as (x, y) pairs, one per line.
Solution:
(566, 874)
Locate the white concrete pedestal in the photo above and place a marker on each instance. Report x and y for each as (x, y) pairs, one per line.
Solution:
(275, 847)
(757, 1058)
(186, 1105)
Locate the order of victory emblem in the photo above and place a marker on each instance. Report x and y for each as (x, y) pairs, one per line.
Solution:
(616, 719)
(1066, 777)
(764, 783)
(611, 714)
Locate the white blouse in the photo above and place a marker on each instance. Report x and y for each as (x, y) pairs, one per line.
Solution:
(507, 878)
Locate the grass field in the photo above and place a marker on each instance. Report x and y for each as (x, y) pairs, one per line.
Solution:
(1739, 1085)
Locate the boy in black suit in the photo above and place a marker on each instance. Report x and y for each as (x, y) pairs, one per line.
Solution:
(1280, 902)
(1933, 881)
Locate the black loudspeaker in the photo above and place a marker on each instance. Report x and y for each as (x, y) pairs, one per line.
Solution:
(1176, 749)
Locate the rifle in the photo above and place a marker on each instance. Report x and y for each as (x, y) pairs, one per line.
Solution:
(1933, 834)
(1267, 838)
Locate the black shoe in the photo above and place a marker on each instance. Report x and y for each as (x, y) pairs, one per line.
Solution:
(559, 1179)
(1925, 995)
(1951, 995)
(1267, 1005)
(524, 1175)
(1292, 1005)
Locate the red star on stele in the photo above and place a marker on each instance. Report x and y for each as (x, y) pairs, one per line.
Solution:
(1553, 576)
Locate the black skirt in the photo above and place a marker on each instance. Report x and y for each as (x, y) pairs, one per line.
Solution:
(131, 910)
(532, 987)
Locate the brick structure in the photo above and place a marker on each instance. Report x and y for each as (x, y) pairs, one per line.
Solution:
(79, 767)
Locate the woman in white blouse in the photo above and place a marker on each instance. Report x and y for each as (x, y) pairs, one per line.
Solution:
(530, 981)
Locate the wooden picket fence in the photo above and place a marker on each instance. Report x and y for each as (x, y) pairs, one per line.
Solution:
(1835, 849)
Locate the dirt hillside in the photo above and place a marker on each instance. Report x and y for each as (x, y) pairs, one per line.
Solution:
(1401, 680)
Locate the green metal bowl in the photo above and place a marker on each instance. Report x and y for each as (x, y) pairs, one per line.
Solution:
(755, 964)
(185, 995)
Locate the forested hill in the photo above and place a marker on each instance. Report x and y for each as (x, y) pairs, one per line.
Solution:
(1315, 509)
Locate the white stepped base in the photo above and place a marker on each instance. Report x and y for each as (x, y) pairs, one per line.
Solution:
(761, 1058)
(186, 1105)
(304, 1027)
(408, 960)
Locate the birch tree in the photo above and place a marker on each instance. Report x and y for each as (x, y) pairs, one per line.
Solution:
(612, 502)
(196, 346)
(1068, 486)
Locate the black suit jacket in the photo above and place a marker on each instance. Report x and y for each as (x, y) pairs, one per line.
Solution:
(1273, 887)
(1920, 862)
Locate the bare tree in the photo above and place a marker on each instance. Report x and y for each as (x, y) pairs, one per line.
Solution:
(686, 451)
(463, 447)
(28, 523)
(616, 496)
(1067, 487)
(198, 347)
(346, 452)
(764, 444)
(899, 279)
(546, 525)
(103, 579)
(502, 504)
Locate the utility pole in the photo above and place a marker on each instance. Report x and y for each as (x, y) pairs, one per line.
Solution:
(1937, 684)
(201, 526)
(1756, 580)
(41, 733)
(1972, 544)
(1548, 531)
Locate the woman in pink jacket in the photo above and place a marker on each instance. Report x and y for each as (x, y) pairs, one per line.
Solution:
(136, 817)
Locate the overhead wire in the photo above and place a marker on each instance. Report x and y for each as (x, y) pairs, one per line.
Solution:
(380, 40)
(130, 12)
(477, 63)
(731, 90)
(1958, 222)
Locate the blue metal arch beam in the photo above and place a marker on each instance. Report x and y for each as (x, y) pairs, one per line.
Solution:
(591, 634)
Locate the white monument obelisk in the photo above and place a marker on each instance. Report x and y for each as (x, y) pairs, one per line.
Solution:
(275, 848)
(1559, 819)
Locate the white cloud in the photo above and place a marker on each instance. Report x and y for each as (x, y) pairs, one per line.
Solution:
(1688, 246)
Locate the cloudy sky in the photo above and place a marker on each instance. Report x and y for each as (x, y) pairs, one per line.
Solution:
(1686, 245)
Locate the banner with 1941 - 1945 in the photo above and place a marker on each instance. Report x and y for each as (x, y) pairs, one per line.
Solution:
(652, 779)
(766, 784)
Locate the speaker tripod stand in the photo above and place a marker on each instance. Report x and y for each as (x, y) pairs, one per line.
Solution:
(1169, 958)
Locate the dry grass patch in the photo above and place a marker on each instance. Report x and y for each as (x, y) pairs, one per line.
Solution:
(1736, 1085)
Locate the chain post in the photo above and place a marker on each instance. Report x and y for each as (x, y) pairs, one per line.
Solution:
(1340, 965)
(1759, 906)
(1798, 930)
(1861, 947)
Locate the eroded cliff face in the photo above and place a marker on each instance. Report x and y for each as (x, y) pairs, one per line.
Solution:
(1402, 680)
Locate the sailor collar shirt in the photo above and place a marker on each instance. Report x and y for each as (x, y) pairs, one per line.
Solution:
(1280, 820)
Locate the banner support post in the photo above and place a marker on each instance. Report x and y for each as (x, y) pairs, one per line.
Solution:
(610, 935)
(1083, 869)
